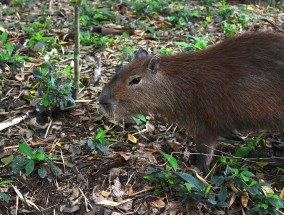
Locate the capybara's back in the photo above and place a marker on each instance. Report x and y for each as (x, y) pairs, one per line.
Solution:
(236, 84)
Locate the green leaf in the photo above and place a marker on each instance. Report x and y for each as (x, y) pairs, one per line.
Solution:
(188, 187)
(39, 156)
(25, 149)
(246, 175)
(19, 163)
(171, 160)
(183, 44)
(8, 159)
(42, 172)
(168, 168)
(5, 182)
(217, 180)
(207, 189)
(30, 167)
(4, 197)
(222, 194)
(141, 117)
(212, 200)
(45, 102)
(191, 180)
(101, 134)
(242, 152)
(223, 159)
(4, 37)
(264, 205)
(9, 48)
(54, 169)
(102, 147)
(91, 144)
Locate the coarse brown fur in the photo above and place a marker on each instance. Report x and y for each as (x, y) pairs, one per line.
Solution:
(236, 84)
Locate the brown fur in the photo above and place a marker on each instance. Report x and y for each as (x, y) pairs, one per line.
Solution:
(236, 84)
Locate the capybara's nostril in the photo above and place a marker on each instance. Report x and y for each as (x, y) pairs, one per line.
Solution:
(105, 102)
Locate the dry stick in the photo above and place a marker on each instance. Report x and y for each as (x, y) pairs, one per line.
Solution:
(77, 49)
(273, 25)
(142, 191)
(47, 130)
(13, 121)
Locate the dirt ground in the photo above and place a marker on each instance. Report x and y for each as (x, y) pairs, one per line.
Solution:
(92, 182)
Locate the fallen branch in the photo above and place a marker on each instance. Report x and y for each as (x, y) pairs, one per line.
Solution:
(13, 121)
(272, 24)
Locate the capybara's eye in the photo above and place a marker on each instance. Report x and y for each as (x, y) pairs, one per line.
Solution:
(134, 81)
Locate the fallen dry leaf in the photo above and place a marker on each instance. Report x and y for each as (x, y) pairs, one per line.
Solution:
(267, 189)
(131, 138)
(150, 127)
(112, 203)
(126, 206)
(123, 154)
(105, 193)
(158, 203)
(244, 199)
(282, 193)
(116, 188)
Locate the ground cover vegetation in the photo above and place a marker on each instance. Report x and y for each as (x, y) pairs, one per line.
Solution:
(62, 155)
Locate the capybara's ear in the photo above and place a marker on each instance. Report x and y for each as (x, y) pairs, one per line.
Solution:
(154, 64)
(141, 53)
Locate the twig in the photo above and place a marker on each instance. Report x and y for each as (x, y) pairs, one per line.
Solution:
(47, 130)
(13, 121)
(141, 191)
(273, 25)
(77, 49)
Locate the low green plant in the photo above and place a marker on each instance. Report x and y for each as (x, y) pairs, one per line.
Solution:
(29, 161)
(166, 51)
(42, 43)
(149, 7)
(22, 3)
(8, 55)
(4, 196)
(139, 119)
(54, 88)
(93, 16)
(199, 44)
(100, 141)
(186, 186)
(96, 40)
(230, 29)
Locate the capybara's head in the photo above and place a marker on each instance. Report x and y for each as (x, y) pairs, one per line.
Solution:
(133, 88)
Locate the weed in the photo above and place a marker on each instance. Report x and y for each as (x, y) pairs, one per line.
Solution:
(8, 56)
(22, 3)
(230, 29)
(149, 7)
(54, 88)
(199, 44)
(30, 159)
(3, 196)
(215, 192)
(166, 51)
(100, 141)
(139, 119)
(96, 40)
